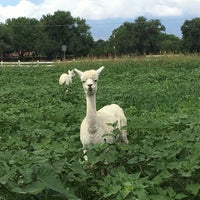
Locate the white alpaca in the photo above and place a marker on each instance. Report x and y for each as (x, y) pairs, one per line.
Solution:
(97, 127)
(66, 79)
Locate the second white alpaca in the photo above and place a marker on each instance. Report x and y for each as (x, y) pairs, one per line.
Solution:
(66, 79)
(97, 127)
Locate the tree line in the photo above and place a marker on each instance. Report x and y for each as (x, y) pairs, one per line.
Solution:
(42, 39)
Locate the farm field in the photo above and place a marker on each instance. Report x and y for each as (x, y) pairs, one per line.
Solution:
(40, 151)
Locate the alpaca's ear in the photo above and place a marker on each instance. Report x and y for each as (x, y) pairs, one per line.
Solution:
(78, 72)
(72, 72)
(99, 70)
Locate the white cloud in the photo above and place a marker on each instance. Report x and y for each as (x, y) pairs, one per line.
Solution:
(23, 8)
(163, 10)
(102, 9)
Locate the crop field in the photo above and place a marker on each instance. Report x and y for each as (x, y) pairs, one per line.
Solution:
(41, 156)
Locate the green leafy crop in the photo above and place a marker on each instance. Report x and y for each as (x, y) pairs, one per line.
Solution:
(41, 156)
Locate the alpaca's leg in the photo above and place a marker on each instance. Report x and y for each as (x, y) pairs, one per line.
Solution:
(123, 136)
(85, 156)
(123, 133)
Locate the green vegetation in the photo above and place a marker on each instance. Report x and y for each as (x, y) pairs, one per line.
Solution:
(191, 39)
(31, 39)
(43, 38)
(40, 152)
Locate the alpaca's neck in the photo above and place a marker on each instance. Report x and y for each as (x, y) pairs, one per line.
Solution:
(91, 114)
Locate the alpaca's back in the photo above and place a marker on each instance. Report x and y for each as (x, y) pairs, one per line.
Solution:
(112, 116)
(107, 117)
(64, 79)
(113, 113)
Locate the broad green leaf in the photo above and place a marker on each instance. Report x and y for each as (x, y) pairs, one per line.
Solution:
(4, 179)
(48, 177)
(180, 196)
(113, 189)
(133, 161)
(193, 188)
(18, 190)
(34, 188)
(162, 177)
(77, 168)
(157, 197)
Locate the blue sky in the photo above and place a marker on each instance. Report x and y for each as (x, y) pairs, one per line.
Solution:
(15, 2)
(103, 15)
(172, 25)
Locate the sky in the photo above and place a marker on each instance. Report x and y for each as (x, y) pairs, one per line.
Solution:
(104, 16)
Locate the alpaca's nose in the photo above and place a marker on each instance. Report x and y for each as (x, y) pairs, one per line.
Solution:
(90, 85)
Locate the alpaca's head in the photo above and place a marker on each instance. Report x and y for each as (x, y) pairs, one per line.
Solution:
(71, 73)
(89, 80)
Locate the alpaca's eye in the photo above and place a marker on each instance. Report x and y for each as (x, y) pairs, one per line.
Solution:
(83, 81)
(95, 80)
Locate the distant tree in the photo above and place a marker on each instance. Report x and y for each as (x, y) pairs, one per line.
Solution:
(122, 40)
(57, 29)
(154, 30)
(141, 37)
(25, 33)
(171, 44)
(62, 29)
(81, 42)
(100, 48)
(191, 35)
(45, 47)
(6, 40)
(141, 34)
